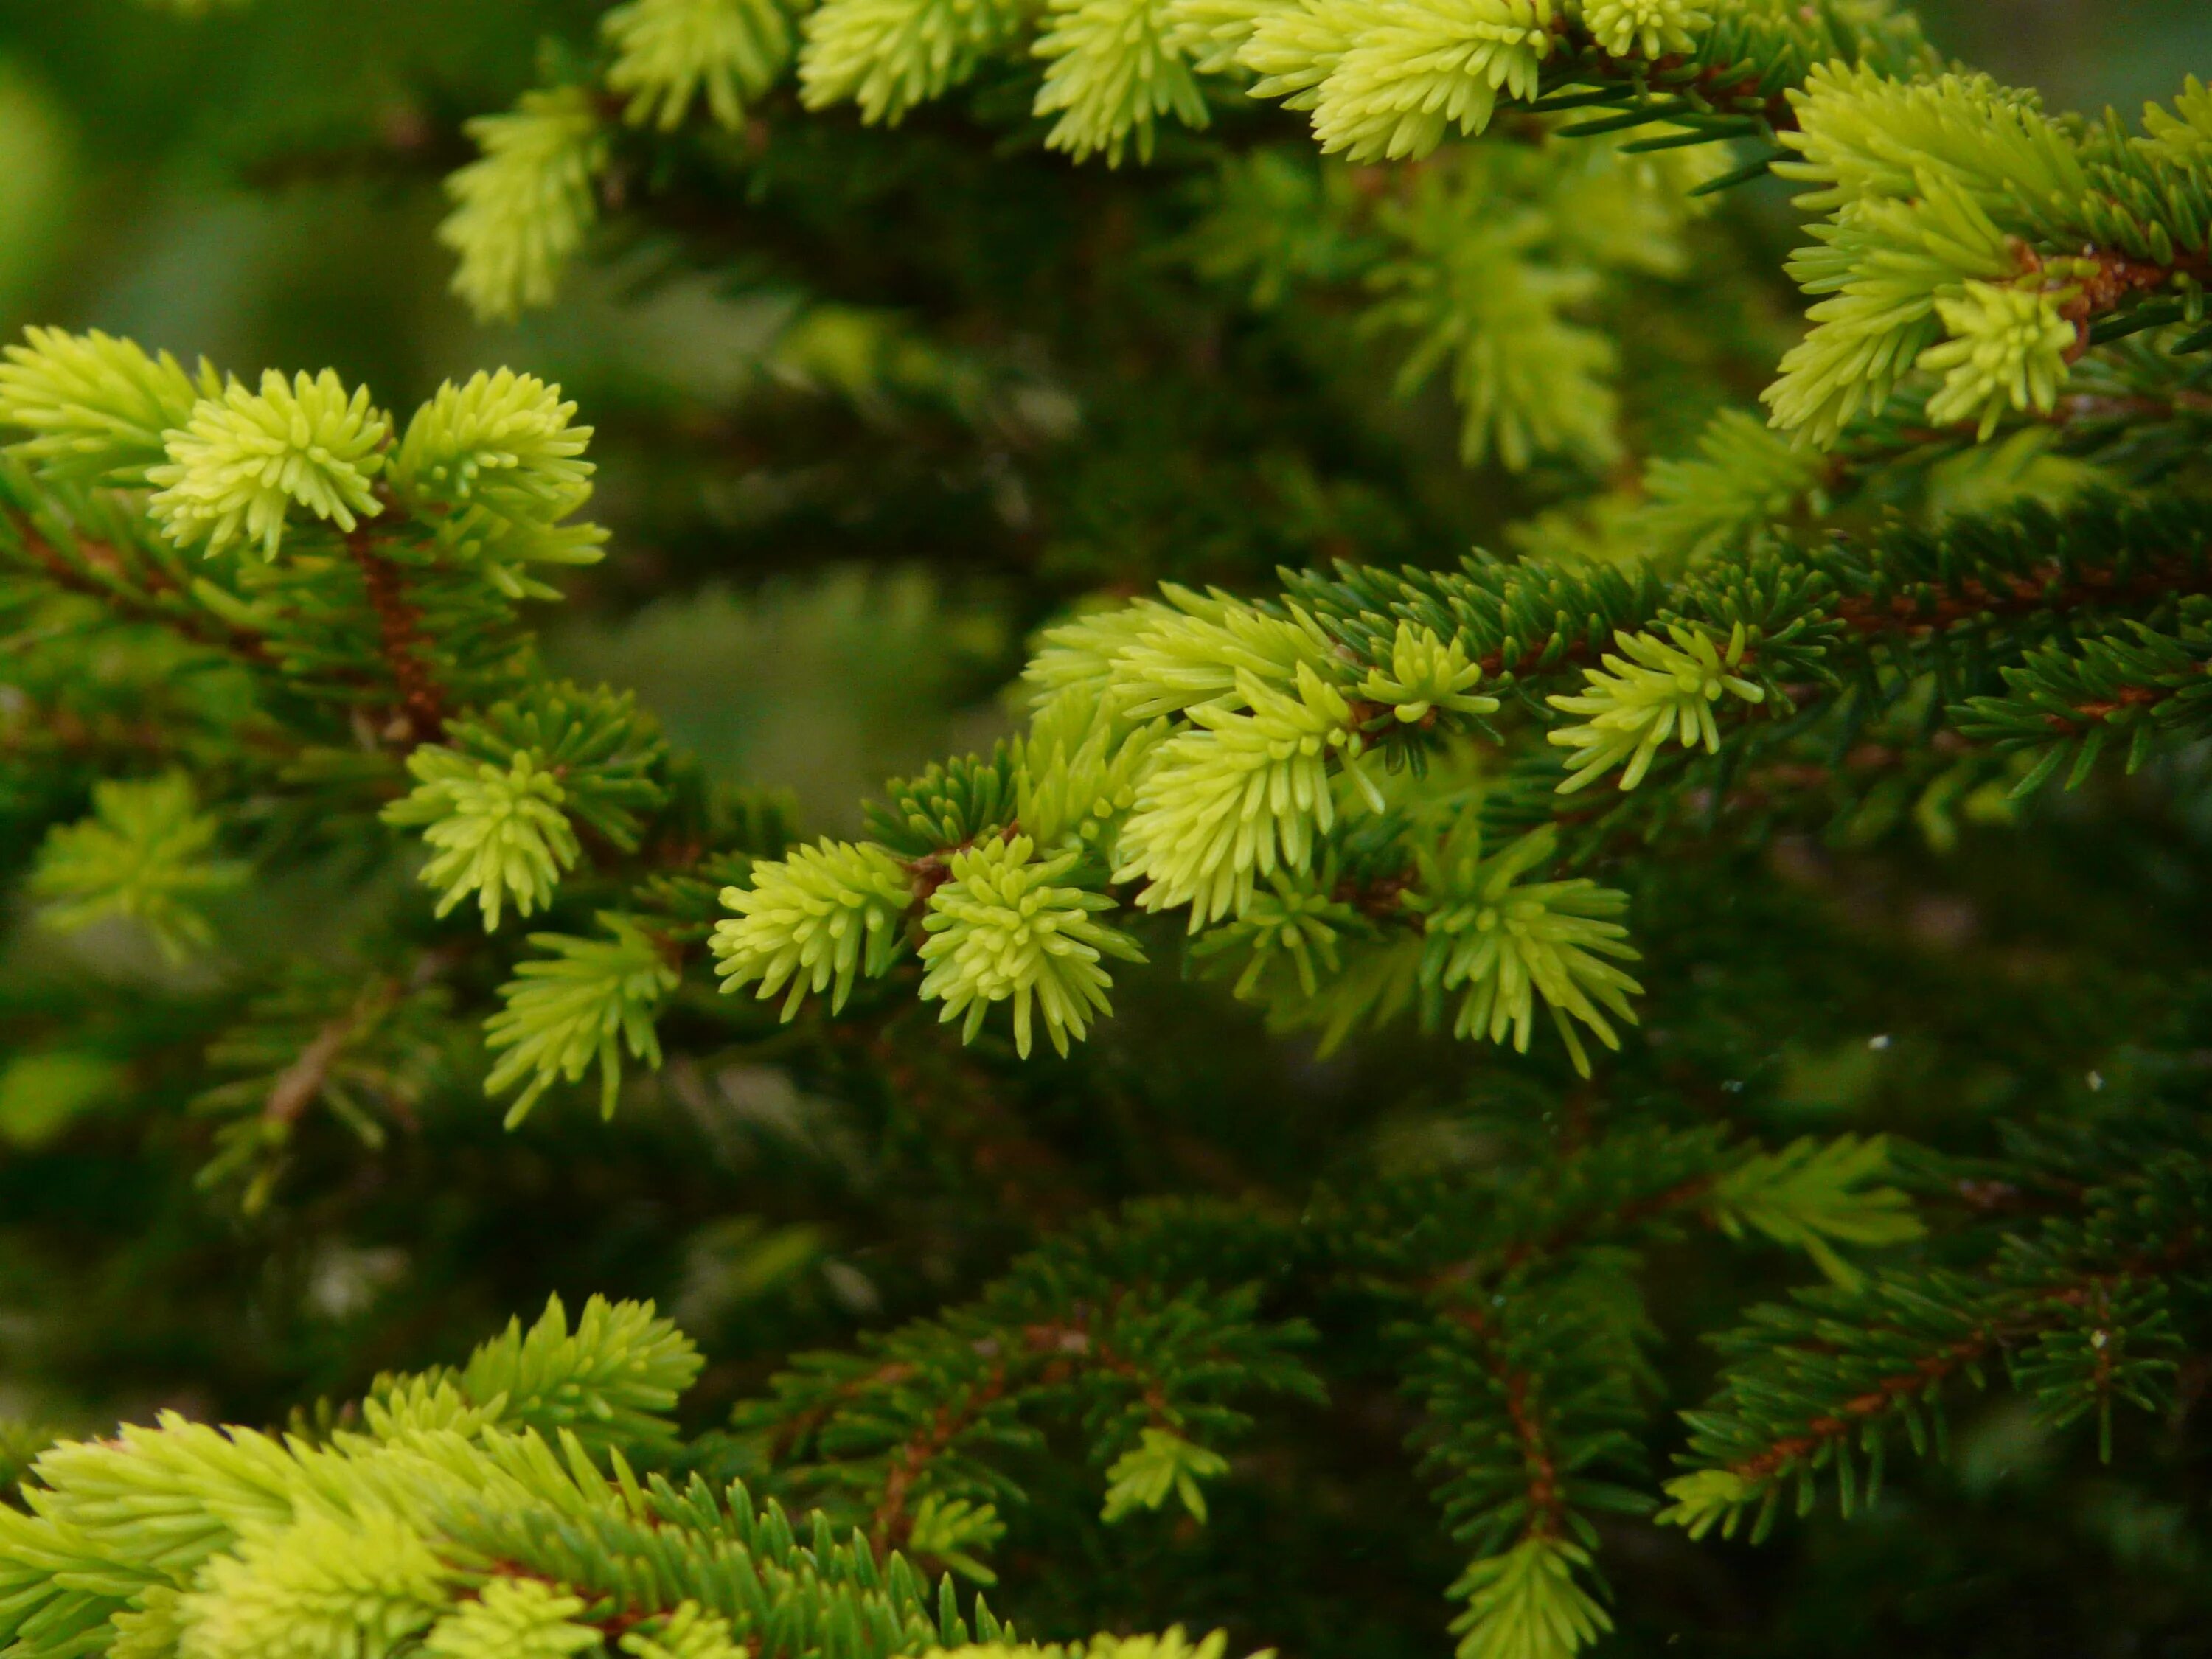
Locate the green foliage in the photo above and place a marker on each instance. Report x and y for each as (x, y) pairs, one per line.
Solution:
(1161, 1465)
(495, 464)
(1636, 703)
(243, 459)
(500, 835)
(588, 1001)
(522, 210)
(101, 408)
(611, 1382)
(1500, 944)
(818, 921)
(1525, 1604)
(1112, 69)
(1154, 1328)
(144, 854)
(672, 51)
(1000, 931)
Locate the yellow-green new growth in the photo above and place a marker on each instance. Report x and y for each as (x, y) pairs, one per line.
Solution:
(1287, 921)
(1426, 673)
(326, 1583)
(669, 52)
(887, 55)
(501, 442)
(141, 854)
(100, 408)
(1170, 1644)
(1501, 944)
(588, 1002)
(495, 465)
(1197, 648)
(689, 1632)
(513, 1618)
(1114, 69)
(1000, 931)
(521, 209)
(243, 458)
(1526, 1603)
(1074, 776)
(498, 833)
(816, 920)
(1294, 49)
(1635, 704)
(1245, 794)
(1426, 65)
(1163, 1465)
(956, 1531)
(1646, 29)
(2008, 350)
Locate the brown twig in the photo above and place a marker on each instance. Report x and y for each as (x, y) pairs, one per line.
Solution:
(421, 717)
(137, 606)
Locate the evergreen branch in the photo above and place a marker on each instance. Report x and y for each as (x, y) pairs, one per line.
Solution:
(2078, 1310)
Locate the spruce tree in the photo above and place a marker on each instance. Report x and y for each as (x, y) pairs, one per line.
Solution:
(1559, 1008)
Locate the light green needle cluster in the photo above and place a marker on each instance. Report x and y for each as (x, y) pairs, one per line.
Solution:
(1163, 1465)
(522, 208)
(513, 1619)
(1211, 33)
(2007, 350)
(815, 921)
(1197, 648)
(960, 1532)
(1077, 772)
(1744, 477)
(689, 1632)
(496, 464)
(502, 443)
(99, 409)
(1170, 1644)
(1293, 49)
(1288, 920)
(143, 855)
(1001, 931)
(243, 459)
(1426, 673)
(887, 55)
(498, 832)
(668, 53)
(1500, 943)
(323, 1585)
(1414, 68)
(1526, 1603)
(1886, 262)
(491, 1512)
(1113, 68)
(1938, 194)
(585, 1004)
(1241, 793)
(1645, 28)
(1486, 300)
(2183, 135)
(1813, 1195)
(1656, 691)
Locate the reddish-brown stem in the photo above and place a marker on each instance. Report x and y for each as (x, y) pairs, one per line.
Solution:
(1055, 1347)
(421, 717)
(1546, 1501)
(199, 628)
(303, 1079)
